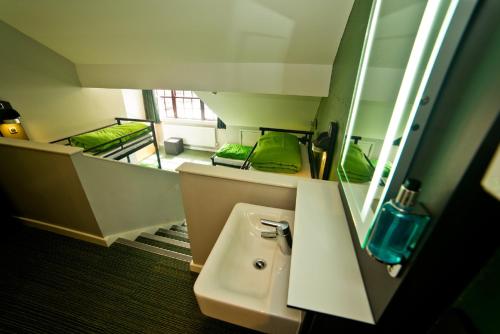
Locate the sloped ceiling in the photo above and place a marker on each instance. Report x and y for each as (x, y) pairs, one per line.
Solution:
(260, 46)
(266, 110)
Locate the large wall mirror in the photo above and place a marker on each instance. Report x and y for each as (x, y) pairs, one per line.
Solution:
(408, 47)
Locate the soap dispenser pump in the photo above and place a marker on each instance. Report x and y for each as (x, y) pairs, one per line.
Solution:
(398, 226)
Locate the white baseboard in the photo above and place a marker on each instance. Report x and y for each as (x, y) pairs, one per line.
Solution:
(201, 148)
(63, 231)
(102, 241)
(196, 268)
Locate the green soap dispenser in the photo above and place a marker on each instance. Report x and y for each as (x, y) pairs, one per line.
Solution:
(398, 226)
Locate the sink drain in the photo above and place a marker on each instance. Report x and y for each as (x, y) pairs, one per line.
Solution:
(259, 264)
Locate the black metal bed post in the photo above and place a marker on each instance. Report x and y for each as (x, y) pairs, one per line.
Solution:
(246, 164)
(313, 169)
(332, 132)
(155, 143)
(119, 122)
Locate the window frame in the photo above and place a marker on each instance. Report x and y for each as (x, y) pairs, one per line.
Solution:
(161, 95)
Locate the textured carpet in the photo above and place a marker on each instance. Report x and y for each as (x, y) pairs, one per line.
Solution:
(54, 284)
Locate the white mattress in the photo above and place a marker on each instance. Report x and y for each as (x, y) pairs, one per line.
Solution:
(227, 161)
(305, 171)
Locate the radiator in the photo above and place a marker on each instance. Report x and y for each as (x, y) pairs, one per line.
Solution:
(198, 136)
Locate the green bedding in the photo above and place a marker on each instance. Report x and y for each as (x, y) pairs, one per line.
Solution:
(356, 166)
(387, 167)
(234, 151)
(277, 152)
(107, 135)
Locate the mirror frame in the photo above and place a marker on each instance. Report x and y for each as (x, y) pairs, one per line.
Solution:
(443, 50)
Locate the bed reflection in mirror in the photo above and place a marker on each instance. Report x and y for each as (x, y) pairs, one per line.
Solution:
(401, 46)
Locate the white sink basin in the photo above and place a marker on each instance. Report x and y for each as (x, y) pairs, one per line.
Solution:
(230, 288)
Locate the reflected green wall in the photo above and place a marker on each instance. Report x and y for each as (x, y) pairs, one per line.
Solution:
(336, 106)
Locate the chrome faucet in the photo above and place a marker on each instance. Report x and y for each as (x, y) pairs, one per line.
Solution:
(282, 234)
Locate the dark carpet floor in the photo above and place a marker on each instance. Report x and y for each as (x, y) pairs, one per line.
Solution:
(53, 284)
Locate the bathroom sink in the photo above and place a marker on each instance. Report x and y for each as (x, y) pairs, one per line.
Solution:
(245, 278)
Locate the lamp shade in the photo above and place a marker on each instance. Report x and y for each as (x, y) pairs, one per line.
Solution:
(6, 111)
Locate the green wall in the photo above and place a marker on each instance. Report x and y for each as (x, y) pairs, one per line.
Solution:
(336, 106)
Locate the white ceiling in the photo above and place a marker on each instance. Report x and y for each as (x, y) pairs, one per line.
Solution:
(168, 32)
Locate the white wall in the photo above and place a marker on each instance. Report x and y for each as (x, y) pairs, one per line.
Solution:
(278, 46)
(238, 135)
(126, 197)
(263, 110)
(134, 103)
(193, 135)
(44, 88)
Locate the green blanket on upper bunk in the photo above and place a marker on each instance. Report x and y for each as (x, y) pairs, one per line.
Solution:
(277, 152)
(107, 135)
(357, 168)
(234, 151)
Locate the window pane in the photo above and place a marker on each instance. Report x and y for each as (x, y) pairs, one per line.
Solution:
(162, 92)
(180, 108)
(164, 103)
(188, 105)
(195, 105)
(188, 108)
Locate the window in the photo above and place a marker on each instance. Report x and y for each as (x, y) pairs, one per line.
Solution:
(182, 104)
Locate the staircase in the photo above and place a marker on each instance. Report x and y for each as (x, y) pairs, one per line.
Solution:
(172, 242)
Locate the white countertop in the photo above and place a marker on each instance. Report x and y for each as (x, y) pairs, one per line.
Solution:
(324, 274)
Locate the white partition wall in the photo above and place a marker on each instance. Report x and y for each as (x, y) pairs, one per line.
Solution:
(60, 189)
(127, 197)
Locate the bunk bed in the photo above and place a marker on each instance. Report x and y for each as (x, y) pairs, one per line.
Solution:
(316, 156)
(116, 141)
(358, 166)
(300, 163)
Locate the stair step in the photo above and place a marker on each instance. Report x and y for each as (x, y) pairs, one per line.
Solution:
(173, 234)
(166, 240)
(179, 228)
(153, 249)
(164, 245)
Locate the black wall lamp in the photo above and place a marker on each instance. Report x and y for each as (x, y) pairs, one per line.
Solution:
(10, 123)
(8, 114)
